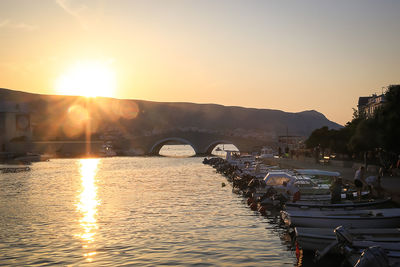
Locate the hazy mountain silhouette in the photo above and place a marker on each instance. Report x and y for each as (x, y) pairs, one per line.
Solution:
(52, 116)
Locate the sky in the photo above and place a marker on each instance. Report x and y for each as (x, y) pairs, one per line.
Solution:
(287, 55)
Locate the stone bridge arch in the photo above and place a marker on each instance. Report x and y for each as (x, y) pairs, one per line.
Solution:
(212, 145)
(155, 149)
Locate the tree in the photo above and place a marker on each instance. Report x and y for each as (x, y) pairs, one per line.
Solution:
(388, 121)
(362, 134)
(318, 137)
(365, 136)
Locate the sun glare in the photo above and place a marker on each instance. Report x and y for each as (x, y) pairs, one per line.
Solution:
(88, 78)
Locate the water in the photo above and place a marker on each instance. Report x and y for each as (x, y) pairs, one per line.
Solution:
(144, 211)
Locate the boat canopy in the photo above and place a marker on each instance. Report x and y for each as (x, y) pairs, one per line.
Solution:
(277, 178)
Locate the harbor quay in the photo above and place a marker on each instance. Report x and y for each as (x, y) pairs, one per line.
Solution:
(390, 185)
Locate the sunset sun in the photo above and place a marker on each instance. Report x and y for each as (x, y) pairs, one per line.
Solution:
(87, 78)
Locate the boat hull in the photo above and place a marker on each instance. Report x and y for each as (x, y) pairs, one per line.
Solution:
(355, 219)
(319, 238)
(305, 205)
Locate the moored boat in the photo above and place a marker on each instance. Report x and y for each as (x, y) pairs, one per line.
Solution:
(369, 218)
(379, 253)
(346, 205)
(319, 238)
(278, 179)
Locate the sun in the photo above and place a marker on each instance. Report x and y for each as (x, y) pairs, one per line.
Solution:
(87, 78)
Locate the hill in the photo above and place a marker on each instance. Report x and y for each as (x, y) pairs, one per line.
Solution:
(62, 117)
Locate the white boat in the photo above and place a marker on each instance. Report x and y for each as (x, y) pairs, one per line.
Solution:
(378, 218)
(266, 153)
(306, 186)
(319, 173)
(327, 197)
(319, 238)
(345, 205)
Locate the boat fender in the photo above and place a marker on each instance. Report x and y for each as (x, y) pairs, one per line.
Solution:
(296, 196)
(373, 257)
(250, 201)
(299, 254)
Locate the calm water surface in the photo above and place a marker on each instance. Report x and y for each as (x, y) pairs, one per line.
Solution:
(131, 211)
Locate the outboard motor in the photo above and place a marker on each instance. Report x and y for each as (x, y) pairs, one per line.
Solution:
(373, 257)
(342, 235)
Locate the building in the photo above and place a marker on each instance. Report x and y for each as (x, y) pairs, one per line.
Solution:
(15, 127)
(292, 142)
(368, 105)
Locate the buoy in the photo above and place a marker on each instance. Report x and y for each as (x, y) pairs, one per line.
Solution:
(223, 184)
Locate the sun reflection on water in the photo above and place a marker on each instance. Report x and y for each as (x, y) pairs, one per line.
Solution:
(87, 205)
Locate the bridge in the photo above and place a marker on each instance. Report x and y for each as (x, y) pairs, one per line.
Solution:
(202, 143)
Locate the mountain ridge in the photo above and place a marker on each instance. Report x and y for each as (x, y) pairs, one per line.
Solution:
(141, 117)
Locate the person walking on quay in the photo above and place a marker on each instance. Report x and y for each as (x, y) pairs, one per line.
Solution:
(374, 185)
(336, 191)
(359, 180)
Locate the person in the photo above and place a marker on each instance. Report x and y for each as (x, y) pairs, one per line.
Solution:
(396, 170)
(258, 169)
(316, 154)
(359, 180)
(291, 192)
(398, 162)
(336, 191)
(374, 183)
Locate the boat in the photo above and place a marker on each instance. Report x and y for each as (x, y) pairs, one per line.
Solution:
(319, 238)
(378, 253)
(372, 256)
(318, 176)
(283, 181)
(369, 218)
(346, 205)
(324, 198)
(107, 150)
(306, 186)
(14, 169)
(266, 152)
(317, 173)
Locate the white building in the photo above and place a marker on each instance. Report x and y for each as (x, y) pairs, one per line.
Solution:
(369, 104)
